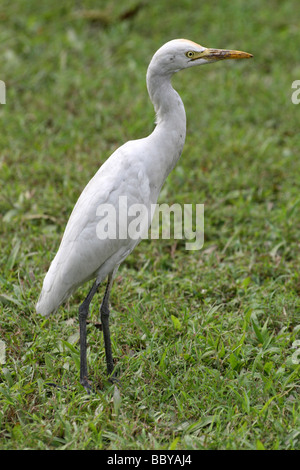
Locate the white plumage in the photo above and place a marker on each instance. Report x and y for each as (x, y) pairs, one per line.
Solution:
(136, 170)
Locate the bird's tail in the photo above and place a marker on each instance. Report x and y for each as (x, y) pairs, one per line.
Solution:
(54, 292)
(46, 304)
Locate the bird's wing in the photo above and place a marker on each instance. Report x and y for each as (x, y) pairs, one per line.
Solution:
(82, 255)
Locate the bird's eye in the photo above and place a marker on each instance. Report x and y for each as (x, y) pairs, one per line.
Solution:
(190, 54)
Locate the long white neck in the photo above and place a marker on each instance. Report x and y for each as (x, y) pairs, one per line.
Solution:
(169, 133)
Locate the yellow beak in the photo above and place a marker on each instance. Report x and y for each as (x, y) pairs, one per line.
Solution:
(221, 54)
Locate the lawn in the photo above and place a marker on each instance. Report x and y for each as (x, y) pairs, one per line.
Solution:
(206, 342)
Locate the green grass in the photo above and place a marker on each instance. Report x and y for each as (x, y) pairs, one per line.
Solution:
(224, 375)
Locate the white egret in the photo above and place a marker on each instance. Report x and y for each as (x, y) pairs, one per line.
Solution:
(136, 170)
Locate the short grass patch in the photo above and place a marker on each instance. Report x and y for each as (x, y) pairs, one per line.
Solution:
(206, 342)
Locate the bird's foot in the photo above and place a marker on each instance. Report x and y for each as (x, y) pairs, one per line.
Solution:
(84, 382)
(54, 385)
(113, 379)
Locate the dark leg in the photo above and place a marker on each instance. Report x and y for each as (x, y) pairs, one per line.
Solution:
(104, 316)
(83, 314)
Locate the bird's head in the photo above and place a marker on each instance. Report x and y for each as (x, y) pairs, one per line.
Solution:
(180, 54)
